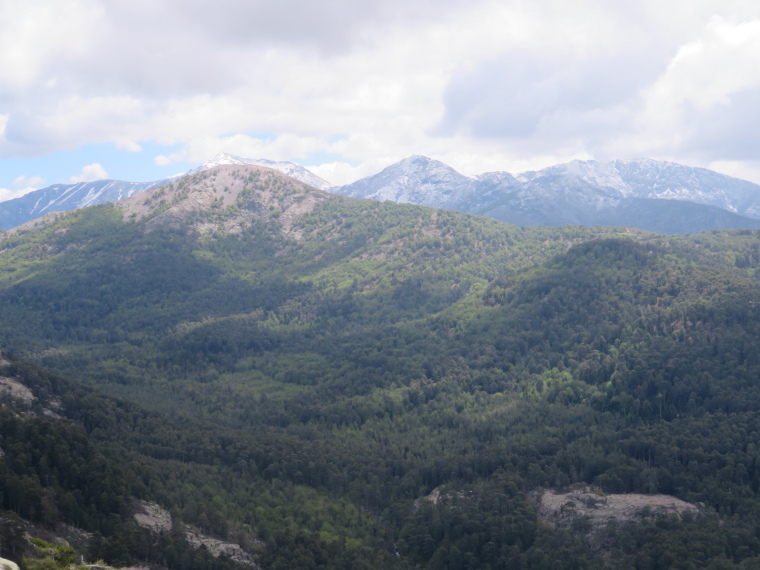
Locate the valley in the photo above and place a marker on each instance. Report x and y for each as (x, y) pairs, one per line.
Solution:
(294, 371)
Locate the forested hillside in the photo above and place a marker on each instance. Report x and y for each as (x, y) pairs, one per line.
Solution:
(296, 372)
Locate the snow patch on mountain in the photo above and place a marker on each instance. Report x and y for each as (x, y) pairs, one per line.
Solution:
(586, 192)
(288, 168)
(65, 197)
(414, 180)
(647, 178)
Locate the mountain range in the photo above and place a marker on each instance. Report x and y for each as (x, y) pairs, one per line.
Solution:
(66, 197)
(657, 196)
(237, 371)
(646, 194)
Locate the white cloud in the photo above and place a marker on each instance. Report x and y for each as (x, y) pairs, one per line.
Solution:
(706, 72)
(130, 146)
(6, 194)
(340, 173)
(36, 36)
(90, 173)
(27, 181)
(24, 185)
(485, 84)
(707, 76)
(746, 170)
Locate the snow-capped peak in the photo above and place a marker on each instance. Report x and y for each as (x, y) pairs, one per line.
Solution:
(222, 159)
(288, 168)
(416, 179)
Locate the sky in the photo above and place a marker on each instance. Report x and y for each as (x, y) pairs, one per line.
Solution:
(140, 90)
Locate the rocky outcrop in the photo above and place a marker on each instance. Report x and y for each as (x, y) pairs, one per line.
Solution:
(159, 521)
(598, 508)
(590, 512)
(13, 390)
(151, 516)
(8, 564)
(218, 547)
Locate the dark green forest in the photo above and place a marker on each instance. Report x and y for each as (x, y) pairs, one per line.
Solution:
(295, 372)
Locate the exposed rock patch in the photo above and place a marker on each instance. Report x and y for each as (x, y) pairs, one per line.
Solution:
(596, 517)
(225, 198)
(159, 521)
(61, 533)
(218, 547)
(601, 509)
(151, 516)
(54, 406)
(8, 564)
(444, 497)
(590, 512)
(15, 391)
(434, 495)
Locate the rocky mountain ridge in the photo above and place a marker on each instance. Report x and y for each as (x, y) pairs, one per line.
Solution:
(645, 194)
(66, 197)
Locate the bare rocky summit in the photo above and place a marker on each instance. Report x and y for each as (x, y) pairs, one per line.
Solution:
(236, 195)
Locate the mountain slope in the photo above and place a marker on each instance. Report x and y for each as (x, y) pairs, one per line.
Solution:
(666, 180)
(261, 219)
(65, 197)
(246, 289)
(71, 473)
(651, 179)
(414, 180)
(624, 193)
(361, 384)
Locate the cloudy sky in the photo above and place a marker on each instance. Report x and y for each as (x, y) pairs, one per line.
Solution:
(140, 89)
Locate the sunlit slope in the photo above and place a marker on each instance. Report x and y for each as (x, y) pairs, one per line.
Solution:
(247, 250)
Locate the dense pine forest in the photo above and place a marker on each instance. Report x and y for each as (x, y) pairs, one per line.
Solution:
(299, 373)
